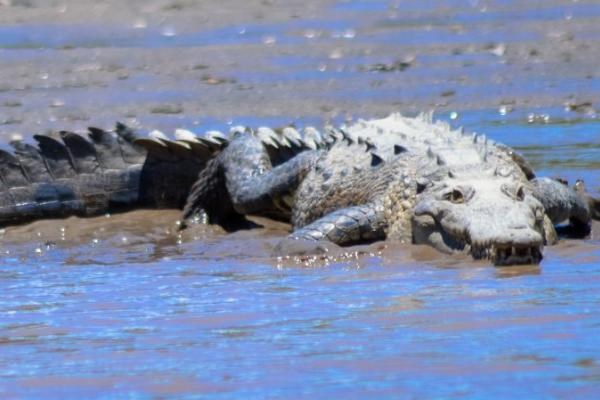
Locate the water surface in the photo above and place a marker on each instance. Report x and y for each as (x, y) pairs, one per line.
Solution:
(124, 306)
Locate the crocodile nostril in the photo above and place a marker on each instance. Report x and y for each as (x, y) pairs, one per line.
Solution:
(520, 194)
(518, 227)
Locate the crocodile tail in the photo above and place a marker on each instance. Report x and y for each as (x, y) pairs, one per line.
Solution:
(67, 174)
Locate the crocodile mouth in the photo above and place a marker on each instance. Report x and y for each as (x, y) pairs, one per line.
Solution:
(503, 255)
(524, 248)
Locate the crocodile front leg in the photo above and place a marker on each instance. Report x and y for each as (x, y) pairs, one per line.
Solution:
(562, 203)
(346, 226)
(592, 202)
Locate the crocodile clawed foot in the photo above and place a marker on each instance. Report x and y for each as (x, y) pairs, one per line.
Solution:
(294, 247)
(593, 203)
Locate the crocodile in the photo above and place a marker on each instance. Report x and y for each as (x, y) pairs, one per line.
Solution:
(398, 178)
(406, 179)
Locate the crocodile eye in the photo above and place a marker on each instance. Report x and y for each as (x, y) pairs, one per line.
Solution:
(520, 194)
(455, 196)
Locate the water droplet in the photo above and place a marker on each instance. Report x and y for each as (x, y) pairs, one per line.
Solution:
(44, 76)
(269, 40)
(322, 67)
(310, 34)
(453, 115)
(503, 110)
(242, 31)
(533, 118)
(140, 24)
(168, 31)
(57, 103)
(336, 54)
(349, 34)
(498, 50)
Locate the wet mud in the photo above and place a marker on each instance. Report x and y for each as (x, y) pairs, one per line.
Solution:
(128, 306)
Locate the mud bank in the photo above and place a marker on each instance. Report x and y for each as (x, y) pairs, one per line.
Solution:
(168, 64)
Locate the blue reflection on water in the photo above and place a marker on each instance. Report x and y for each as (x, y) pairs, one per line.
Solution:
(249, 330)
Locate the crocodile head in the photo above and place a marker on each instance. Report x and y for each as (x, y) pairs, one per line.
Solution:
(489, 216)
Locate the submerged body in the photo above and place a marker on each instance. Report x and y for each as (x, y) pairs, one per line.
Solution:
(397, 178)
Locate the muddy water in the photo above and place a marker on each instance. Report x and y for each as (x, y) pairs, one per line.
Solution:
(125, 306)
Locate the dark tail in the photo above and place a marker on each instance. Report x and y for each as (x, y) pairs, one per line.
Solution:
(67, 174)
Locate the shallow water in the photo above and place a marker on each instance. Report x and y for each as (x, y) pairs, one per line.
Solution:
(213, 315)
(124, 306)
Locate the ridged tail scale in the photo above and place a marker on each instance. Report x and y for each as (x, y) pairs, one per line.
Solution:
(69, 175)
